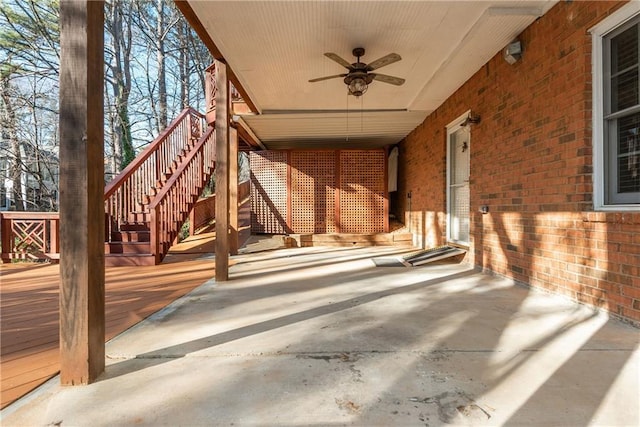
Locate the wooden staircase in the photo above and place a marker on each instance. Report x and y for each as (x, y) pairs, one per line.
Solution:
(147, 203)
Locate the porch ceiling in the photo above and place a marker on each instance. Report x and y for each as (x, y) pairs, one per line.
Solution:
(275, 47)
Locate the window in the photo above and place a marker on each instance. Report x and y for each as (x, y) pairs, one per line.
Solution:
(616, 73)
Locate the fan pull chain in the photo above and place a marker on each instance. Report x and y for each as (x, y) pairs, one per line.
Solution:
(347, 139)
(361, 115)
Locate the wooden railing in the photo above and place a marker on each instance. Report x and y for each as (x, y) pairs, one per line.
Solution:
(35, 235)
(159, 187)
(239, 106)
(137, 183)
(204, 209)
(171, 206)
(29, 235)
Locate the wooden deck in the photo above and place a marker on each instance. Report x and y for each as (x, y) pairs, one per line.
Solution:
(29, 309)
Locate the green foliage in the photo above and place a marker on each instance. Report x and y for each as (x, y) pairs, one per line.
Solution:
(184, 231)
(30, 35)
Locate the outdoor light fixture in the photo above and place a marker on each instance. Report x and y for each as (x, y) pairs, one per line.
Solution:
(472, 119)
(358, 83)
(513, 52)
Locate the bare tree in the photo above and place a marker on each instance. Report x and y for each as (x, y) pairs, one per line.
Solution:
(10, 138)
(156, 20)
(29, 40)
(154, 67)
(118, 23)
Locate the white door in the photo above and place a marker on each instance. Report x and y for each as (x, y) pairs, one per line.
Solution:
(458, 149)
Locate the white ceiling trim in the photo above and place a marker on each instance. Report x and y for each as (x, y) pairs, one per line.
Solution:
(354, 128)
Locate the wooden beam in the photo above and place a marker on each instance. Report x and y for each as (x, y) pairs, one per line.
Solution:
(82, 306)
(193, 20)
(247, 134)
(222, 172)
(233, 192)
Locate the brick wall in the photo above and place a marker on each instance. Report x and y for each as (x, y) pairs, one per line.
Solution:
(531, 163)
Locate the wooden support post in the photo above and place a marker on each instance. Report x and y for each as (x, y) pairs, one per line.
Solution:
(222, 173)
(210, 94)
(338, 178)
(82, 307)
(6, 234)
(289, 219)
(54, 236)
(233, 191)
(386, 190)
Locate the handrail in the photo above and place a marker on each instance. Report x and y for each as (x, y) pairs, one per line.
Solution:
(147, 152)
(29, 215)
(139, 181)
(158, 188)
(171, 206)
(176, 175)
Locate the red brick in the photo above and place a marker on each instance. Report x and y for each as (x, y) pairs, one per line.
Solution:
(531, 163)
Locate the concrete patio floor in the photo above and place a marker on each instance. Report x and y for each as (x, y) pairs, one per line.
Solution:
(320, 336)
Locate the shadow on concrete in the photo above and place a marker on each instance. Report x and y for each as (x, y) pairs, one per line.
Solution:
(177, 351)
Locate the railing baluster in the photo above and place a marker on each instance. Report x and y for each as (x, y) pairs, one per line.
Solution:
(175, 198)
(137, 181)
(133, 186)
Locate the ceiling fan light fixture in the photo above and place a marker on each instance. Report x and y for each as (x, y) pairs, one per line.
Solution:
(358, 86)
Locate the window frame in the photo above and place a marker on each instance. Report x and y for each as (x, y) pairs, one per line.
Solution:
(605, 28)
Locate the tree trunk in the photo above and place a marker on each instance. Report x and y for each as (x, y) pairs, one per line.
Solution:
(162, 73)
(184, 64)
(9, 133)
(119, 27)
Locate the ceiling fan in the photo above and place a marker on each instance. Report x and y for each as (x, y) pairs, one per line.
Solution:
(360, 74)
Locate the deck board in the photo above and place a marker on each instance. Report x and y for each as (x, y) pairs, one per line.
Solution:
(29, 311)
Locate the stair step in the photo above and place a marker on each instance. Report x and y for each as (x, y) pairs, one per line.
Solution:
(137, 217)
(123, 260)
(130, 236)
(135, 226)
(127, 248)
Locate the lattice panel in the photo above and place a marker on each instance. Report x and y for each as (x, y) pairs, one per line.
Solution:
(29, 236)
(313, 182)
(362, 191)
(269, 192)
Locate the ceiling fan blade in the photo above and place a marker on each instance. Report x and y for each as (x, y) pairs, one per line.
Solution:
(388, 79)
(385, 60)
(319, 79)
(338, 59)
